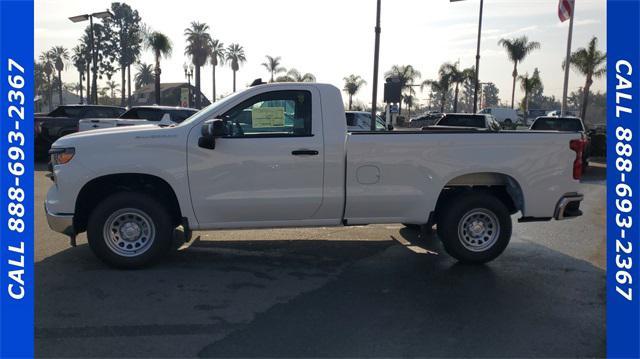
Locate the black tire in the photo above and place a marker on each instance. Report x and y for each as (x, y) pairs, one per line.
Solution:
(486, 210)
(143, 211)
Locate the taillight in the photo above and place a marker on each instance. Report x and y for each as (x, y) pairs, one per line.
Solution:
(578, 145)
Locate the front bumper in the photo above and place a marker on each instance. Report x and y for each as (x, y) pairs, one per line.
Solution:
(62, 223)
(568, 206)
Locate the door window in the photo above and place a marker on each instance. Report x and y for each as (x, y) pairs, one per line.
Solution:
(272, 114)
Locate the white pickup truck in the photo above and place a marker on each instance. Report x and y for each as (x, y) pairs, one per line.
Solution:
(279, 155)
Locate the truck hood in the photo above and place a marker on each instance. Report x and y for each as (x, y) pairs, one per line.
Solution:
(115, 135)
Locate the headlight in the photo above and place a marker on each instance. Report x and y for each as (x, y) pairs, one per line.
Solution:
(60, 156)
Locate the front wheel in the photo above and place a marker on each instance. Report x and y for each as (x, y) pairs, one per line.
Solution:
(475, 227)
(129, 230)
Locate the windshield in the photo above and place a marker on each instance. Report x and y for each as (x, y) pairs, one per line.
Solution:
(557, 124)
(207, 112)
(462, 121)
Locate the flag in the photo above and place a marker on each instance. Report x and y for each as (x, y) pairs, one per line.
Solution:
(565, 9)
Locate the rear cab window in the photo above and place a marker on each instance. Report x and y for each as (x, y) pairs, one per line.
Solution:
(558, 124)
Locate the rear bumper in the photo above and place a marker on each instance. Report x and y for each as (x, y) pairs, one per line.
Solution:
(61, 223)
(568, 207)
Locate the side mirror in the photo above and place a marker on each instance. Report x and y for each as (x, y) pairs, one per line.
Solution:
(209, 131)
(390, 127)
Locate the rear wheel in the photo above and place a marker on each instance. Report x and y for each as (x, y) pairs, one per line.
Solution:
(129, 230)
(475, 227)
(412, 226)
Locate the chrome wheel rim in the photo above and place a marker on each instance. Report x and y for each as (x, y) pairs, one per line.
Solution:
(129, 232)
(479, 230)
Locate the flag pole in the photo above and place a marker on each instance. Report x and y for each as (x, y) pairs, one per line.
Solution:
(567, 65)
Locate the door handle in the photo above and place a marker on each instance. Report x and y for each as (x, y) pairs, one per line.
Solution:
(304, 153)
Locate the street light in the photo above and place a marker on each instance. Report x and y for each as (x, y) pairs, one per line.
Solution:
(188, 72)
(475, 90)
(94, 55)
(376, 55)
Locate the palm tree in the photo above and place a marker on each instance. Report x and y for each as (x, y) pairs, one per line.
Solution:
(198, 48)
(112, 86)
(80, 63)
(408, 100)
(235, 55)
(528, 85)
(352, 85)
(59, 55)
(407, 75)
(294, 75)
(45, 58)
(591, 63)
(440, 86)
(517, 49)
(457, 77)
(273, 66)
(144, 76)
(160, 44)
(216, 57)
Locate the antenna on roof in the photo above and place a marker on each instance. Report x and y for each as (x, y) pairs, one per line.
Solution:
(257, 82)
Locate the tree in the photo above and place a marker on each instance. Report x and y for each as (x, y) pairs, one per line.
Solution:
(591, 63)
(490, 95)
(408, 100)
(407, 76)
(236, 56)
(517, 50)
(85, 44)
(160, 44)
(126, 40)
(79, 61)
(273, 66)
(59, 55)
(352, 85)
(216, 57)
(39, 81)
(456, 77)
(441, 86)
(198, 49)
(47, 65)
(294, 75)
(104, 53)
(112, 86)
(144, 76)
(528, 85)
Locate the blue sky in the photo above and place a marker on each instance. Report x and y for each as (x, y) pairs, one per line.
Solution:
(334, 38)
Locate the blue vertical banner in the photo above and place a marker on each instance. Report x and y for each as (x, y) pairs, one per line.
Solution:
(623, 179)
(16, 182)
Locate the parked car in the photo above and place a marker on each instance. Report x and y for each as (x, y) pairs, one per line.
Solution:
(64, 120)
(426, 119)
(280, 155)
(506, 117)
(141, 115)
(569, 124)
(467, 120)
(361, 121)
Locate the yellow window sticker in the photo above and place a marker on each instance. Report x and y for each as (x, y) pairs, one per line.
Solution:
(267, 117)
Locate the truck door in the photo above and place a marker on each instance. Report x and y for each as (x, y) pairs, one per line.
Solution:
(268, 167)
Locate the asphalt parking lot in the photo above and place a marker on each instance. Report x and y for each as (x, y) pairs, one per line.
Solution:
(380, 290)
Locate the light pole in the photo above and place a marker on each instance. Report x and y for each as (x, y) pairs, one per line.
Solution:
(482, 92)
(188, 72)
(94, 54)
(376, 55)
(477, 72)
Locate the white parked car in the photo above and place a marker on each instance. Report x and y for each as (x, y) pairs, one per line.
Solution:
(507, 117)
(279, 155)
(140, 115)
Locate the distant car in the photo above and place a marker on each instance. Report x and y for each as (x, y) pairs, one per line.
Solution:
(140, 115)
(361, 121)
(507, 117)
(426, 119)
(566, 124)
(467, 120)
(64, 120)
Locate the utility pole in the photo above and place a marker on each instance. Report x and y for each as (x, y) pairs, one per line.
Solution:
(567, 65)
(376, 56)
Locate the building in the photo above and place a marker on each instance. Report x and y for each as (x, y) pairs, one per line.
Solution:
(170, 95)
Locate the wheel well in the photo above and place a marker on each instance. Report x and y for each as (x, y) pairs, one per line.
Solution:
(502, 186)
(100, 188)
